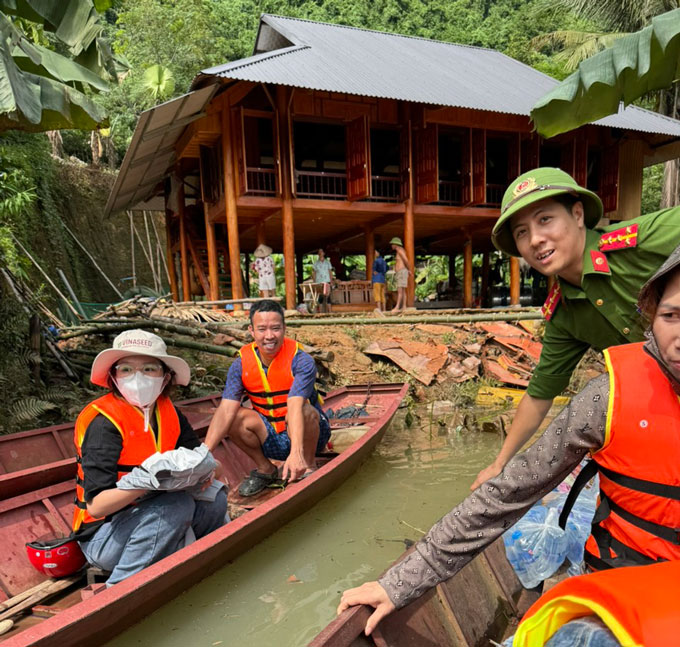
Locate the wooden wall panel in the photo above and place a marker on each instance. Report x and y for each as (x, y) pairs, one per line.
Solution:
(427, 167)
(581, 158)
(238, 142)
(567, 157)
(388, 111)
(405, 160)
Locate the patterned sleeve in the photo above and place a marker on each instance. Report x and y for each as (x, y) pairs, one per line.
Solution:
(233, 388)
(497, 504)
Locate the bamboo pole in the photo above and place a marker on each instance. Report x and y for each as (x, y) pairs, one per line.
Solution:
(170, 259)
(392, 321)
(132, 250)
(224, 302)
(184, 257)
(47, 278)
(115, 289)
(155, 272)
(72, 293)
(149, 260)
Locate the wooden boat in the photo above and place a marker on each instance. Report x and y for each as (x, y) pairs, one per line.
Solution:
(40, 457)
(481, 603)
(90, 613)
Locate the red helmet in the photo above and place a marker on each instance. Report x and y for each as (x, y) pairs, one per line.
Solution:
(56, 556)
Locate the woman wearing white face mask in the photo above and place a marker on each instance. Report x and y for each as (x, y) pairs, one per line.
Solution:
(123, 531)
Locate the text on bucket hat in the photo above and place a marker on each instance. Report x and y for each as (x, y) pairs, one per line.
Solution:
(138, 342)
(539, 184)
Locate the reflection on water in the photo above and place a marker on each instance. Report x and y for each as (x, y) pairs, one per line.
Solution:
(286, 589)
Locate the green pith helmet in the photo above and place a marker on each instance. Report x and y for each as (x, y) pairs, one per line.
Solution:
(396, 241)
(536, 185)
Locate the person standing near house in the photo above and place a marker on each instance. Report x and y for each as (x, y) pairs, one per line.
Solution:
(549, 220)
(323, 273)
(402, 270)
(265, 268)
(378, 278)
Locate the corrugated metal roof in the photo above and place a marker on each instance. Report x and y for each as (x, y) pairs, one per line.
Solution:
(336, 58)
(152, 149)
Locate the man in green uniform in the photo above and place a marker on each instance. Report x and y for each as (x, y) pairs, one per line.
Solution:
(549, 220)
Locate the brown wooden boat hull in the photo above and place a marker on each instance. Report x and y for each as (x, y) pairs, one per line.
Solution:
(476, 604)
(106, 614)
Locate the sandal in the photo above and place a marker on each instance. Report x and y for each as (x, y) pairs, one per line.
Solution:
(256, 482)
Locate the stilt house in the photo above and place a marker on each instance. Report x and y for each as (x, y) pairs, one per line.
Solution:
(336, 137)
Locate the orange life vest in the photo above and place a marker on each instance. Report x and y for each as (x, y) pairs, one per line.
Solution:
(638, 519)
(138, 443)
(639, 605)
(268, 392)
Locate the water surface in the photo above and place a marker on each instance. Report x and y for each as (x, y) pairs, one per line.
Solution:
(286, 589)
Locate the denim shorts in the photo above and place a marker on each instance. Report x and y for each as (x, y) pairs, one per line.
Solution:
(277, 446)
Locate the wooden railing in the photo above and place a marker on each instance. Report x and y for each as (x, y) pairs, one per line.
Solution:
(385, 188)
(450, 192)
(494, 193)
(261, 181)
(321, 184)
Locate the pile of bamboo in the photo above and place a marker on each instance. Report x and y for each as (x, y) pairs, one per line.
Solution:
(216, 338)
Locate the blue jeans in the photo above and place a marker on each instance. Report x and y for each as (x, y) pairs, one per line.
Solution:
(582, 632)
(143, 534)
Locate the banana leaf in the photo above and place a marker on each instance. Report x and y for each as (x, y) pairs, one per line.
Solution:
(39, 88)
(633, 66)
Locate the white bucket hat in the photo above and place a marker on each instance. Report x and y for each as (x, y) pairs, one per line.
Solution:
(138, 342)
(262, 250)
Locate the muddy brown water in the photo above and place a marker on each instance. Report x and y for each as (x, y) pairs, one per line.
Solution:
(286, 589)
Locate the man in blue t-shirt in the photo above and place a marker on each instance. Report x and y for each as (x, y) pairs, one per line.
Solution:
(286, 422)
(379, 271)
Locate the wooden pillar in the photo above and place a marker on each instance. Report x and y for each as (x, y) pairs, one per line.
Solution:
(514, 281)
(282, 96)
(184, 257)
(260, 237)
(170, 257)
(484, 296)
(230, 207)
(369, 247)
(409, 224)
(467, 273)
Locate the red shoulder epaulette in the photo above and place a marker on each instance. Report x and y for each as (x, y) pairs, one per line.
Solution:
(552, 301)
(619, 239)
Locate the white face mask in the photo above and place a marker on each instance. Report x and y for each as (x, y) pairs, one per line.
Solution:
(141, 391)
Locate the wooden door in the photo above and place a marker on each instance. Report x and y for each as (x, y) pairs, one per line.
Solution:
(567, 155)
(427, 164)
(466, 166)
(530, 152)
(358, 173)
(581, 159)
(405, 160)
(609, 185)
(478, 166)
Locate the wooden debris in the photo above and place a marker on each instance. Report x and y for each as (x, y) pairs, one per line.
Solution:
(422, 360)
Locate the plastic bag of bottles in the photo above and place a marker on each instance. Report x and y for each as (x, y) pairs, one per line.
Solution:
(536, 546)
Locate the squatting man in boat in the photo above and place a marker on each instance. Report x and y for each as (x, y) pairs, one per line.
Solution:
(126, 530)
(629, 421)
(286, 422)
(549, 220)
